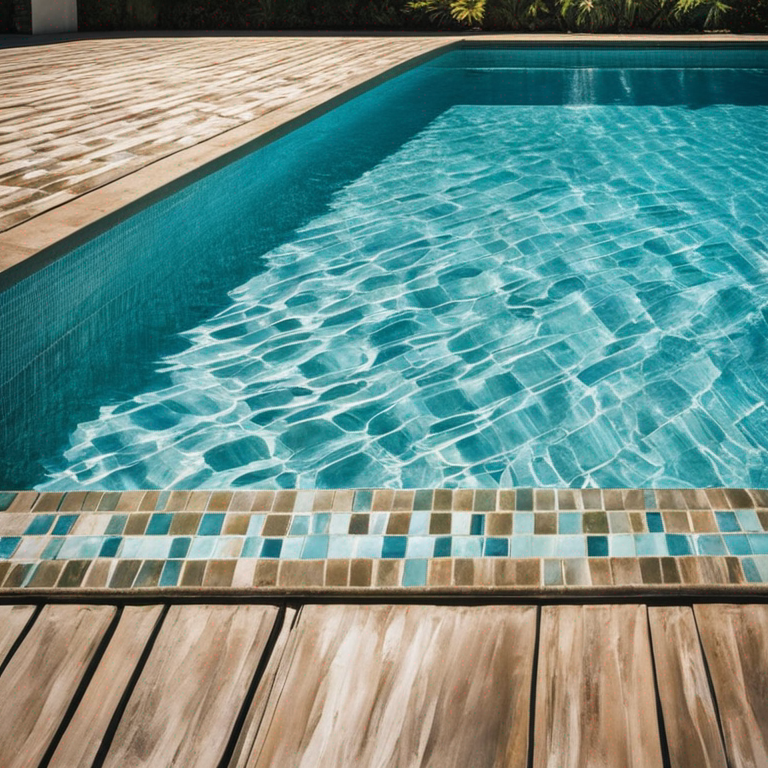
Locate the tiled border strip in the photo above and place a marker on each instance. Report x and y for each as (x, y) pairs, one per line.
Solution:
(386, 541)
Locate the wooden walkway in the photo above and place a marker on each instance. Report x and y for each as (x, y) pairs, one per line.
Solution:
(253, 685)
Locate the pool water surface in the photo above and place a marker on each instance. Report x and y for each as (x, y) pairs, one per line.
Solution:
(555, 278)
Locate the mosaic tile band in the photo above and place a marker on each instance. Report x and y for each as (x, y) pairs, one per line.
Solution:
(383, 539)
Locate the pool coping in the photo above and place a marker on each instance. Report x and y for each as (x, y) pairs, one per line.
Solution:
(125, 543)
(31, 245)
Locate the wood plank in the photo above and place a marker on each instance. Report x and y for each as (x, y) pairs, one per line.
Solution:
(595, 698)
(83, 737)
(38, 684)
(190, 692)
(274, 675)
(735, 641)
(13, 619)
(690, 720)
(398, 685)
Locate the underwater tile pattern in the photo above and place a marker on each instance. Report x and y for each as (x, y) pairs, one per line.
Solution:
(485, 308)
(383, 539)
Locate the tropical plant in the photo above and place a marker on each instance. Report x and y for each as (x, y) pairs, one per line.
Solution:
(712, 10)
(444, 12)
(593, 15)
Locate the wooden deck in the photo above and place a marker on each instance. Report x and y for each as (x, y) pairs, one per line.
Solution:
(253, 685)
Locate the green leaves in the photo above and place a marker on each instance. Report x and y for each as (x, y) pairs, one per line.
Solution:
(577, 15)
(464, 12)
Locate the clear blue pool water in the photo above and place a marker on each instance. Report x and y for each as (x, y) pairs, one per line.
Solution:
(503, 268)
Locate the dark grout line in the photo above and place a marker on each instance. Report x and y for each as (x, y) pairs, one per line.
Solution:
(20, 639)
(82, 688)
(532, 698)
(117, 716)
(665, 757)
(258, 675)
(711, 689)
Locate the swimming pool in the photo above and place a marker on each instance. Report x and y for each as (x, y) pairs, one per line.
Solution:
(543, 267)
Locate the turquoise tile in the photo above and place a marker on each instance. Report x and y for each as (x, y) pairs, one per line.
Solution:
(544, 545)
(170, 575)
(378, 523)
(320, 522)
(110, 546)
(159, 525)
(415, 573)
(649, 497)
(523, 522)
(363, 500)
(64, 525)
(8, 546)
(162, 500)
(467, 546)
(339, 523)
(340, 547)
(130, 548)
(654, 521)
(750, 570)
(737, 544)
(748, 520)
(651, 545)
(116, 525)
(6, 499)
(710, 544)
(622, 545)
(211, 524)
(52, 549)
(759, 543)
(300, 525)
(569, 522)
(419, 524)
(496, 547)
(679, 545)
(571, 546)
(369, 546)
(292, 547)
(761, 563)
(179, 547)
(461, 522)
(394, 546)
(727, 522)
(252, 546)
(520, 546)
(315, 547)
(40, 525)
(420, 547)
(271, 548)
(422, 500)
(477, 526)
(80, 547)
(255, 525)
(597, 546)
(201, 548)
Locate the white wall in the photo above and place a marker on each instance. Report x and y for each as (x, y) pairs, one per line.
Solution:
(54, 16)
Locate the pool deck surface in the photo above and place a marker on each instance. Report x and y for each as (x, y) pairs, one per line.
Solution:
(312, 684)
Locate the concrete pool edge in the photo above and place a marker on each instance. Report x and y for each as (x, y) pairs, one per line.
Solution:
(32, 244)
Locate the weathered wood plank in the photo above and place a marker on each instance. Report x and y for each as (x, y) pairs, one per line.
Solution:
(595, 698)
(187, 699)
(389, 685)
(83, 737)
(690, 720)
(38, 684)
(735, 641)
(13, 619)
(274, 675)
